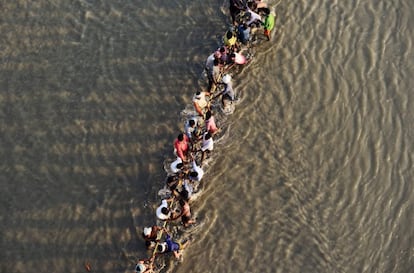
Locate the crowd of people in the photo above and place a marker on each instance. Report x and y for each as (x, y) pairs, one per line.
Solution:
(195, 143)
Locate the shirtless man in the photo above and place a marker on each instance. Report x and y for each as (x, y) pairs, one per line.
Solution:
(185, 213)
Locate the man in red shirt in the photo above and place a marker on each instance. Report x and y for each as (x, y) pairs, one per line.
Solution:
(181, 146)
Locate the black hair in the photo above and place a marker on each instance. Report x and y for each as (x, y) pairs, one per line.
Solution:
(194, 174)
(165, 210)
(172, 182)
(185, 194)
(208, 114)
(181, 137)
(229, 34)
(170, 179)
(207, 136)
(192, 121)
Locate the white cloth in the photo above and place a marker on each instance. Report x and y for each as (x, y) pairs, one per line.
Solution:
(174, 164)
(188, 129)
(160, 215)
(207, 144)
(229, 91)
(253, 17)
(199, 170)
(189, 188)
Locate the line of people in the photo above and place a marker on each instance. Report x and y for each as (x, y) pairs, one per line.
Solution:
(195, 143)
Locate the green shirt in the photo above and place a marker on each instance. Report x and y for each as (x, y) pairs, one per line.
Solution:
(269, 22)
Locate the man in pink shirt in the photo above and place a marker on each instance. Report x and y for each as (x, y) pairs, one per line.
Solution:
(211, 123)
(181, 146)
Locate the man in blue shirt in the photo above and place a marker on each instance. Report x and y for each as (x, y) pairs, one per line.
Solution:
(172, 246)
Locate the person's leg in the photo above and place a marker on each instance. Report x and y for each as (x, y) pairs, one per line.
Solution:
(267, 34)
(203, 155)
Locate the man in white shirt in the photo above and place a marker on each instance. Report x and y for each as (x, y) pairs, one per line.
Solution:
(253, 18)
(207, 145)
(196, 173)
(163, 211)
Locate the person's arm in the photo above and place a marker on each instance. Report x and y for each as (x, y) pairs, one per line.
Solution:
(198, 109)
(228, 67)
(220, 93)
(180, 153)
(176, 254)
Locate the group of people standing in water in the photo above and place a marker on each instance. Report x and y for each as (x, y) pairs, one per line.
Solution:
(195, 143)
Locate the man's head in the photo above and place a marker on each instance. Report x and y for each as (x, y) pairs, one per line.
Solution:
(162, 247)
(139, 268)
(165, 210)
(208, 114)
(198, 95)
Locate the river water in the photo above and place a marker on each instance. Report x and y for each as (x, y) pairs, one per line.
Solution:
(313, 173)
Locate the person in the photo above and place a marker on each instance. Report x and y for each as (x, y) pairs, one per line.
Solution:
(192, 130)
(256, 5)
(207, 145)
(163, 212)
(224, 55)
(187, 190)
(196, 172)
(172, 246)
(185, 213)
(268, 23)
(200, 102)
(211, 123)
(150, 235)
(230, 40)
(243, 31)
(209, 62)
(181, 146)
(177, 165)
(209, 68)
(189, 128)
(235, 58)
(173, 184)
(215, 76)
(253, 18)
(260, 6)
(144, 265)
(236, 6)
(228, 92)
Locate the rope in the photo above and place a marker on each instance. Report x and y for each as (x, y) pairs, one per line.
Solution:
(159, 236)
